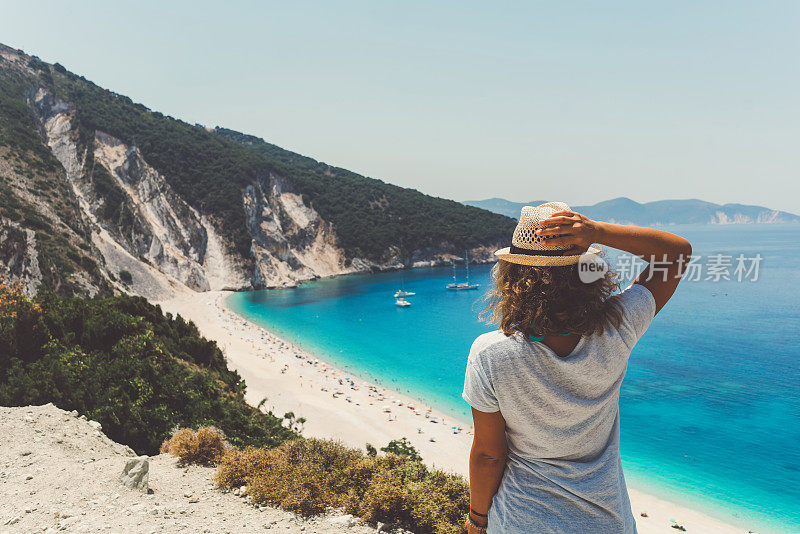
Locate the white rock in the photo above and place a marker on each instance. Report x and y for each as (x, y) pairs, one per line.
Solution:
(65, 523)
(135, 475)
(14, 520)
(97, 426)
(346, 520)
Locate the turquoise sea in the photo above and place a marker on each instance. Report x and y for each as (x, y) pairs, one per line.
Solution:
(711, 401)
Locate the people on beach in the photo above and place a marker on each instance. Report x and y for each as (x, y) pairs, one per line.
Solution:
(544, 387)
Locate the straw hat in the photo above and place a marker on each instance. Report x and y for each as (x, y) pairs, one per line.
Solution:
(527, 248)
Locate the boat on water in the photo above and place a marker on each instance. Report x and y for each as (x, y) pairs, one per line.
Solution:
(455, 285)
(402, 291)
(403, 303)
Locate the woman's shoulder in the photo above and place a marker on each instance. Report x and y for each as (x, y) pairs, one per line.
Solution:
(638, 310)
(488, 345)
(636, 295)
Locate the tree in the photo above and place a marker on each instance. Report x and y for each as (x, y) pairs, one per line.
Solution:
(402, 447)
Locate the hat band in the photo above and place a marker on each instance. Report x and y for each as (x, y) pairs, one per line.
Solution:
(528, 252)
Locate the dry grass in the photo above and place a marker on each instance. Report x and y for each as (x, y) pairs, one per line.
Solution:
(309, 476)
(204, 447)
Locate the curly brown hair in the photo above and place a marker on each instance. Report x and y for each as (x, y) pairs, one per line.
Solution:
(541, 301)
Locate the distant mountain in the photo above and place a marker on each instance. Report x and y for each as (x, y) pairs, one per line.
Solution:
(661, 212)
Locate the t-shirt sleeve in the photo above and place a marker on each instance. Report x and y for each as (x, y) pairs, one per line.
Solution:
(478, 390)
(638, 310)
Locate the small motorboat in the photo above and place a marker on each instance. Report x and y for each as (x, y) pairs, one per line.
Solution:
(403, 303)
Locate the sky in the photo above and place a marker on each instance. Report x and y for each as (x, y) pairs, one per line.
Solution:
(573, 101)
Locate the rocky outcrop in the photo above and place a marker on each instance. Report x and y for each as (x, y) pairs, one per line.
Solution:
(763, 216)
(19, 257)
(291, 242)
(165, 231)
(135, 474)
(135, 213)
(135, 223)
(139, 218)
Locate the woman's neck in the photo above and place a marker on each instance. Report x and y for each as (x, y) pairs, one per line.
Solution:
(562, 345)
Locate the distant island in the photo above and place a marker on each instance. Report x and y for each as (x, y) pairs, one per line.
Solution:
(662, 212)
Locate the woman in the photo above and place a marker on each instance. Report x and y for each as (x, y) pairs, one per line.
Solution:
(544, 388)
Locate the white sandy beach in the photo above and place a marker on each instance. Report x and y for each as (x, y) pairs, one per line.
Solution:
(357, 412)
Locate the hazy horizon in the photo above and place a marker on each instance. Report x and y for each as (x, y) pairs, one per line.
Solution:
(565, 198)
(466, 101)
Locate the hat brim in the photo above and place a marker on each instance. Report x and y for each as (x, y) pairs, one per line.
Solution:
(544, 261)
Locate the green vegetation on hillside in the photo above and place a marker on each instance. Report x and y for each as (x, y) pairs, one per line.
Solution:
(18, 131)
(370, 215)
(210, 171)
(205, 170)
(120, 361)
(22, 148)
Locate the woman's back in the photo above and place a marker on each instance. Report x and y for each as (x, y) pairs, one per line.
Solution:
(545, 453)
(562, 424)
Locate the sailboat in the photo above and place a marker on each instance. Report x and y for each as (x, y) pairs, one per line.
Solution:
(456, 285)
(402, 291)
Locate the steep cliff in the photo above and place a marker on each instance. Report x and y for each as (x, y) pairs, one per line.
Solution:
(127, 199)
(19, 259)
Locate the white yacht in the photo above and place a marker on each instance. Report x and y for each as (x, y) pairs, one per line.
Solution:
(455, 284)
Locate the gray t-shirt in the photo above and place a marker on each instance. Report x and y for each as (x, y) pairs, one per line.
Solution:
(563, 473)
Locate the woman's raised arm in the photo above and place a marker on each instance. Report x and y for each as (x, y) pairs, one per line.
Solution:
(666, 253)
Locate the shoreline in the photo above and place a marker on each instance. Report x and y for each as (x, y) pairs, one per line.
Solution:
(343, 406)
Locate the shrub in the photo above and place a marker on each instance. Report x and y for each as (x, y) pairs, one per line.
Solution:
(203, 447)
(304, 476)
(402, 447)
(235, 466)
(125, 276)
(309, 476)
(122, 362)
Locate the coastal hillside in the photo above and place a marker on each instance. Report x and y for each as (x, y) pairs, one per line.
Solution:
(98, 194)
(61, 473)
(663, 212)
(120, 361)
(76, 372)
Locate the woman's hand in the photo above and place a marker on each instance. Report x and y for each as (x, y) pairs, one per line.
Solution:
(666, 254)
(569, 228)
